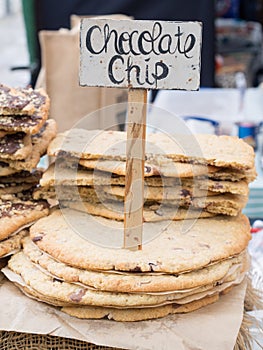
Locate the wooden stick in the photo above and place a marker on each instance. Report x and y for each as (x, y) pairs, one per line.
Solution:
(134, 181)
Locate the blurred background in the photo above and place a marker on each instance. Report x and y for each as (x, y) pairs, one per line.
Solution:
(232, 33)
(36, 51)
(13, 42)
(230, 100)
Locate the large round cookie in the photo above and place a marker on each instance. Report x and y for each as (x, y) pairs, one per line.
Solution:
(130, 282)
(75, 294)
(122, 315)
(132, 315)
(178, 247)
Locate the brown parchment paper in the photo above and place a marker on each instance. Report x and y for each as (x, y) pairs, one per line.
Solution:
(210, 328)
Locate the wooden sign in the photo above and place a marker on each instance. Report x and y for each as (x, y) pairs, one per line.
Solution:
(140, 54)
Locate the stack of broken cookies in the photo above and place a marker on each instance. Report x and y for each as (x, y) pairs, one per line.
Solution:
(90, 170)
(25, 134)
(194, 235)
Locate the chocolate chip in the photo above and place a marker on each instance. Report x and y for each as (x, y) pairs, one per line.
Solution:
(37, 238)
(218, 186)
(77, 296)
(205, 245)
(62, 153)
(147, 169)
(56, 280)
(152, 266)
(43, 203)
(136, 269)
(114, 176)
(145, 282)
(185, 193)
(4, 165)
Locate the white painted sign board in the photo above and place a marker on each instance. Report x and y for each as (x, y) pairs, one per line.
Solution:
(140, 54)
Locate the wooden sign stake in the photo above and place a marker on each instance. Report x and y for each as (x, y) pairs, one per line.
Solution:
(134, 181)
(138, 55)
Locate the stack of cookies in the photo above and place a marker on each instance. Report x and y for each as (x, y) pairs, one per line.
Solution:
(69, 260)
(89, 175)
(25, 134)
(176, 272)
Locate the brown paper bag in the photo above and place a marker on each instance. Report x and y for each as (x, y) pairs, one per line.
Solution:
(60, 77)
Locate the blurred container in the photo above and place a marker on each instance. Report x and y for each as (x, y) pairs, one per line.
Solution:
(248, 131)
(202, 125)
(228, 8)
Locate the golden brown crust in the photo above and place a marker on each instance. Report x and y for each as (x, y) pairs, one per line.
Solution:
(130, 282)
(216, 238)
(12, 243)
(74, 294)
(218, 151)
(138, 314)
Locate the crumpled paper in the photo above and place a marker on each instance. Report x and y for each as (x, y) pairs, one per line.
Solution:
(214, 327)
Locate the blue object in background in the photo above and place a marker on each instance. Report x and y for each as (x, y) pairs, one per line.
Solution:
(213, 122)
(228, 8)
(249, 132)
(247, 129)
